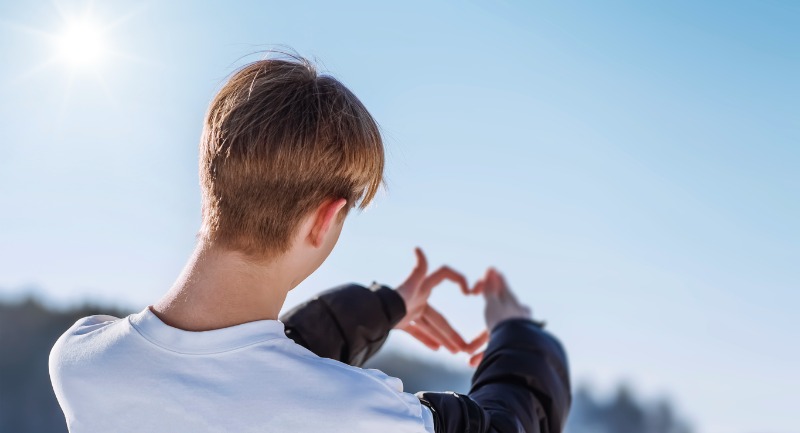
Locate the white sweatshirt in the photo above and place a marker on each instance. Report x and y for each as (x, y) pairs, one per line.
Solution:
(137, 374)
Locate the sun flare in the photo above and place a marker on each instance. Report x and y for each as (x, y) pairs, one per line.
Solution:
(81, 44)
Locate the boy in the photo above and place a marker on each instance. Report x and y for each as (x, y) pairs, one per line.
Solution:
(284, 155)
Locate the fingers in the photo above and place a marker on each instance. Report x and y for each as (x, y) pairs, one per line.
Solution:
(424, 336)
(430, 335)
(422, 261)
(479, 287)
(420, 269)
(451, 339)
(445, 273)
(490, 286)
(476, 359)
(496, 282)
(477, 342)
(502, 287)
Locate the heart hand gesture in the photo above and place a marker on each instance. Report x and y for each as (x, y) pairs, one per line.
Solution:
(422, 321)
(428, 326)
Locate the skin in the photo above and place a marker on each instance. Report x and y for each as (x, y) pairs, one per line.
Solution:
(501, 304)
(219, 288)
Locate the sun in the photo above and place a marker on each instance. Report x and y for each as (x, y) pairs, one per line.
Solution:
(82, 43)
(79, 47)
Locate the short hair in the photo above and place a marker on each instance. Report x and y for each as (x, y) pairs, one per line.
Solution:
(279, 138)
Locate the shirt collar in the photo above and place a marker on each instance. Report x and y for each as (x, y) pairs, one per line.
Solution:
(204, 342)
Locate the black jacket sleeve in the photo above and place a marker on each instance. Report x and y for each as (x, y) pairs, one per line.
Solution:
(521, 385)
(348, 323)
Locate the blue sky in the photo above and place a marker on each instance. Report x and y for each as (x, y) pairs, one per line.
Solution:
(632, 167)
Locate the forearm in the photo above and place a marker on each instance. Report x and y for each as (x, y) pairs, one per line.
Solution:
(348, 323)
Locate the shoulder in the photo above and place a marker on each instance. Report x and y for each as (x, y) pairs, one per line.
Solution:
(381, 398)
(90, 323)
(366, 395)
(74, 342)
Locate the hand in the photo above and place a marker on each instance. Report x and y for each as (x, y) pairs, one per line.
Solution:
(501, 304)
(422, 321)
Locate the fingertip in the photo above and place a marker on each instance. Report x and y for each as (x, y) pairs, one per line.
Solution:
(474, 360)
(495, 275)
(422, 262)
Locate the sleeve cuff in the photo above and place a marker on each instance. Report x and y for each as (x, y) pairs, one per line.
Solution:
(393, 304)
(538, 323)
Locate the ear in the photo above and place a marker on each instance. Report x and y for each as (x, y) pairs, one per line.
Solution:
(325, 217)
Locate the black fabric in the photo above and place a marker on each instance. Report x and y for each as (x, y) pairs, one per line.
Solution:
(444, 405)
(521, 385)
(348, 323)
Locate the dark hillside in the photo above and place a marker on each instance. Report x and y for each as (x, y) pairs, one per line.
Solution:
(27, 332)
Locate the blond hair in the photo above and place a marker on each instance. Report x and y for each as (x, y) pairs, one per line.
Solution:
(279, 138)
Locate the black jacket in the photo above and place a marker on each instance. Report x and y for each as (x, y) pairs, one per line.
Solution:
(521, 385)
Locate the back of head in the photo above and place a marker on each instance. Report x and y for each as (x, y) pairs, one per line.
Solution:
(280, 138)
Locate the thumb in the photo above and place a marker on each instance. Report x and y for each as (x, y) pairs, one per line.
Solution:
(419, 271)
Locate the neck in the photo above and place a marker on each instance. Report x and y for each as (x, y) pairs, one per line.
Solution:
(221, 288)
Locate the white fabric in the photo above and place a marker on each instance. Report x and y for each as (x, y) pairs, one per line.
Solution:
(137, 374)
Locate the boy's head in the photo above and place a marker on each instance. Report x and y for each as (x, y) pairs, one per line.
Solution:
(282, 143)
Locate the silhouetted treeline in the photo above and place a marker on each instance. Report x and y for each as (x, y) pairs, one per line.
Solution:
(621, 412)
(28, 330)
